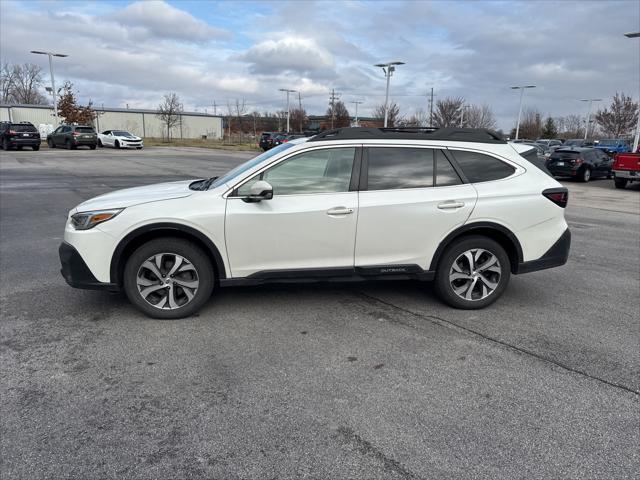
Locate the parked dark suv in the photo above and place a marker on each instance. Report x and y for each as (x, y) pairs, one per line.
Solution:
(73, 136)
(580, 163)
(267, 140)
(18, 135)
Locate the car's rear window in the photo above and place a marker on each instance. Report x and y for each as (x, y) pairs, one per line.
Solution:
(559, 154)
(478, 167)
(84, 129)
(21, 127)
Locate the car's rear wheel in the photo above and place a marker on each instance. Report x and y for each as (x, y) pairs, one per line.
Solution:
(620, 182)
(472, 273)
(168, 278)
(100, 143)
(35, 148)
(585, 174)
(51, 144)
(5, 144)
(92, 147)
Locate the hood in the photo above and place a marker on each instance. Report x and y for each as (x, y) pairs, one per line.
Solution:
(135, 196)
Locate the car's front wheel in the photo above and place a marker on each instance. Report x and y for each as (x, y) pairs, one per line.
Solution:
(472, 273)
(168, 278)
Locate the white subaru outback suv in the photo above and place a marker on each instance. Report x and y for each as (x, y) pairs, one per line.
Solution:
(460, 207)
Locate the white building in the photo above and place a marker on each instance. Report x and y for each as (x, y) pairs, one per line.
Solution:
(144, 123)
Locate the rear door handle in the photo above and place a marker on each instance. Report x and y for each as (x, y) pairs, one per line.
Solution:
(450, 205)
(340, 211)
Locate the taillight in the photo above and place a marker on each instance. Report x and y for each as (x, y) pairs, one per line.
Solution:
(559, 196)
(75, 134)
(578, 161)
(12, 132)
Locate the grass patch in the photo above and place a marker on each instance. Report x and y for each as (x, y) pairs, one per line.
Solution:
(192, 142)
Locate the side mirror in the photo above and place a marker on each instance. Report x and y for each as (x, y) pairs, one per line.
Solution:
(259, 191)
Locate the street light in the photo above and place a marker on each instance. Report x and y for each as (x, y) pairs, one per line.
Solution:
(388, 69)
(356, 103)
(590, 100)
(521, 87)
(288, 111)
(637, 135)
(53, 82)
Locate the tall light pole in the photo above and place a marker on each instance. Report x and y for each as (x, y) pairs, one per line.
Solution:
(53, 81)
(637, 135)
(288, 111)
(388, 69)
(586, 126)
(464, 107)
(356, 103)
(521, 88)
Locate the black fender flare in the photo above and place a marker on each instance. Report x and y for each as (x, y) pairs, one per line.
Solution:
(480, 228)
(170, 229)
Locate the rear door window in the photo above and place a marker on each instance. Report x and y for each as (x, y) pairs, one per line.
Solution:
(393, 168)
(478, 167)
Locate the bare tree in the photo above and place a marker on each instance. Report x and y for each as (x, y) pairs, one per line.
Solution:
(480, 116)
(419, 119)
(531, 124)
(620, 118)
(26, 80)
(340, 115)
(6, 83)
(569, 126)
(170, 112)
(299, 119)
(393, 117)
(448, 112)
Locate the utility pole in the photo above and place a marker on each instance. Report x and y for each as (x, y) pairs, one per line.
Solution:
(636, 137)
(300, 110)
(332, 100)
(586, 126)
(215, 108)
(288, 91)
(431, 109)
(356, 103)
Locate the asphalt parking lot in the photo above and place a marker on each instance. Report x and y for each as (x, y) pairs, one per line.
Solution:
(358, 381)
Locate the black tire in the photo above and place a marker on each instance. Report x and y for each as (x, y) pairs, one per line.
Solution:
(585, 175)
(443, 283)
(50, 143)
(92, 147)
(116, 144)
(100, 143)
(5, 145)
(189, 251)
(19, 147)
(620, 182)
(138, 148)
(67, 144)
(35, 148)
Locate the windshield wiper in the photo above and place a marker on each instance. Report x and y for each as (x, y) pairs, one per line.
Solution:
(207, 183)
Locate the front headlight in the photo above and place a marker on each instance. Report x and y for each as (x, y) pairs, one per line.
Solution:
(87, 220)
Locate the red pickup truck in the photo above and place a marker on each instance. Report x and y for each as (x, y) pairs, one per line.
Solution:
(626, 168)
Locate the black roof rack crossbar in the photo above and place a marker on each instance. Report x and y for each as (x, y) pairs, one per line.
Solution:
(477, 135)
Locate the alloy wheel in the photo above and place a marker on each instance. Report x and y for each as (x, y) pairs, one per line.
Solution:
(167, 281)
(475, 274)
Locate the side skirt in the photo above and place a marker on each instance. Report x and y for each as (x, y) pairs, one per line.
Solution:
(342, 274)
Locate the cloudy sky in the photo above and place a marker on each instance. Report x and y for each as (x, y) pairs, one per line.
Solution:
(123, 52)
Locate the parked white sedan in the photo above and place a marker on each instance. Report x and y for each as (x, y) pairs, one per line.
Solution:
(119, 139)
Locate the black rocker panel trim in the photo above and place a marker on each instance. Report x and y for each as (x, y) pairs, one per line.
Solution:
(168, 228)
(338, 274)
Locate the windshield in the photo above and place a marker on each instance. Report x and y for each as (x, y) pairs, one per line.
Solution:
(610, 142)
(240, 169)
(573, 142)
(121, 133)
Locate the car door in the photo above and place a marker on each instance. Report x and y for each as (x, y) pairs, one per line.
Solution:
(310, 222)
(59, 137)
(55, 134)
(410, 199)
(604, 163)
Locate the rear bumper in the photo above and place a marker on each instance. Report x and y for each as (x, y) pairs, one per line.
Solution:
(562, 171)
(628, 174)
(556, 256)
(76, 272)
(23, 142)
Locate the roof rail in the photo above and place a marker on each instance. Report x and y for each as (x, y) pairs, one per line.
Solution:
(477, 135)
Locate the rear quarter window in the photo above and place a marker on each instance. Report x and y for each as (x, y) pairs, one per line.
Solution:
(478, 167)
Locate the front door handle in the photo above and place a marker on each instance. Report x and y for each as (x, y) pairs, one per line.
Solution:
(340, 211)
(450, 205)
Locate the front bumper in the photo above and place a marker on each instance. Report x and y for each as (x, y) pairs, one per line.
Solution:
(556, 256)
(76, 272)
